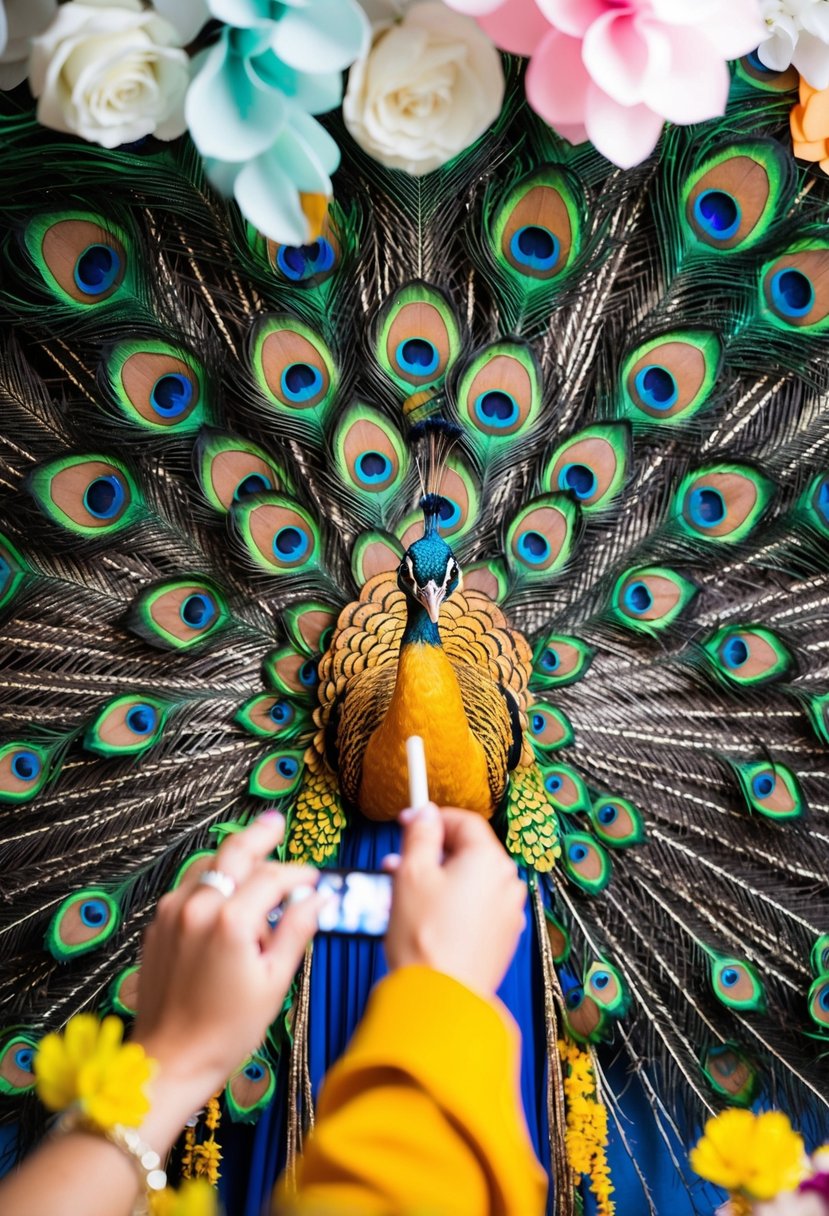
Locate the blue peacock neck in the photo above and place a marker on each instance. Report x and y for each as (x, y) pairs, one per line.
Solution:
(419, 627)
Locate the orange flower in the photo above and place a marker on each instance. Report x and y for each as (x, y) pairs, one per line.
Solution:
(809, 121)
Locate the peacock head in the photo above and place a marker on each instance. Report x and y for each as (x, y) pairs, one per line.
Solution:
(429, 572)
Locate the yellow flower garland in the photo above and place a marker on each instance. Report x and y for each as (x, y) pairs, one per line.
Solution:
(586, 1132)
(90, 1067)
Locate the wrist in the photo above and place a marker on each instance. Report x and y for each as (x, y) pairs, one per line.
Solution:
(180, 1086)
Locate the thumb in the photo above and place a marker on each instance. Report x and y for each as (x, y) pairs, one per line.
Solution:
(423, 835)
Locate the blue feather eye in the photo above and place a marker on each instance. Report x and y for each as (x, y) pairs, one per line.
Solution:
(792, 293)
(535, 247)
(301, 381)
(718, 214)
(105, 496)
(93, 913)
(579, 479)
(97, 269)
(417, 357)
(308, 674)
(553, 783)
(142, 719)
(24, 1058)
(656, 387)
(496, 408)
(254, 483)
(26, 766)
(172, 394)
(299, 262)
(282, 713)
(373, 467)
(638, 597)
(549, 661)
(198, 610)
(706, 507)
(533, 547)
(291, 544)
(287, 767)
(254, 1071)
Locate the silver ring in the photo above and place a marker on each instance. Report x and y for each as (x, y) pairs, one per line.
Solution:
(219, 881)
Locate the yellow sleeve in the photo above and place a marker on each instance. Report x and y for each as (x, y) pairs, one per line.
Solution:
(422, 1116)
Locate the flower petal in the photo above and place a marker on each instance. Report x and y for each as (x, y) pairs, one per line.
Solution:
(231, 114)
(269, 199)
(734, 27)
(477, 8)
(557, 80)
(776, 52)
(325, 36)
(574, 17)
(241, 13)
(814, 114)
(626, 135)
(811, 58)
(696, 85)
(622, 53)
(517, 26)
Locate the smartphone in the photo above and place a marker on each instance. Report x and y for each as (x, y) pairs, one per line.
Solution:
(359, 902)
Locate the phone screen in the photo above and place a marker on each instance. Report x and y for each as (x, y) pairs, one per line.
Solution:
(359, 902)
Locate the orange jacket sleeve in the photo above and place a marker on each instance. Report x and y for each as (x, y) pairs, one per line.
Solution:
(422, 1116)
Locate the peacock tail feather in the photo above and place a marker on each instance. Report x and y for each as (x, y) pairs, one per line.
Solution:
(208, 483)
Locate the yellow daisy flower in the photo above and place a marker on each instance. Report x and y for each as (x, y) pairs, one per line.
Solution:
(755, 1156)
(90, 1066)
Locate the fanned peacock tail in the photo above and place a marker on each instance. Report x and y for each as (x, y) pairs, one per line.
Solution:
(208, 485)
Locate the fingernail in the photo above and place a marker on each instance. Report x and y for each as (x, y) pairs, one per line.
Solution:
(271, 817)
(429, 811)
(408, 815)
(300, 894)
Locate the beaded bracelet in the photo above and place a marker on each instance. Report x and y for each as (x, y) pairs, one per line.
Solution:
(144, 1158)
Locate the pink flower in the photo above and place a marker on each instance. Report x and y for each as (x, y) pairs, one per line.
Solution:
(612, 71)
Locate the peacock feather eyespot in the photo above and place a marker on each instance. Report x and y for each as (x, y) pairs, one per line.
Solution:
(81, 257)
(565, 788)
(156, 386)
(732, 200)
(17, 1073)
(418, 338)
(722, 503)
(86, 496)
(540, 538)
(278, 534)
(123, 992)
(754, 72)
(550, 728)
(817, 707)
(250, 1089)
(294, 367)
(370, 457)
(178, 614)
(648, 599)
(231, 470)
(126, 726)
(731, 1073)
(538, 228)
(815, 503)
(604, 983)
(276, 775)
(586, 862)
(291, 673)
(24, 769)
(617, 822)
(747, 656)
(499, 396)
(82, 922)
(560, 660)
(771, 789)
(273, 716)
(591, 465)
(668, 380)
(299, 263)
(558, 937)
(737, 984)
(308, 622)
(819, 1002)
(794, 288)
(12, 571)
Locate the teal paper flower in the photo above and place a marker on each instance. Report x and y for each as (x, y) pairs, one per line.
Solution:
(249, 107)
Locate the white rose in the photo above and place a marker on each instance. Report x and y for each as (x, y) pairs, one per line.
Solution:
(20, 20)
(111, 74)
(429, 86)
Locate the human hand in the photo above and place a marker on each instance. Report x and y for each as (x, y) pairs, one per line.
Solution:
(458, 903)
(214, 974)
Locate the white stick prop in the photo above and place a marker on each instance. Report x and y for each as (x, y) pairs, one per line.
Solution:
(418, 781)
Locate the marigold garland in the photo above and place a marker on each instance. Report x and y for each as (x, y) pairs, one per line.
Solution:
(195, 1197)
(586, 1133)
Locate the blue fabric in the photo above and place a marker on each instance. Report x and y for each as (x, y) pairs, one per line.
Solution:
(343, 972)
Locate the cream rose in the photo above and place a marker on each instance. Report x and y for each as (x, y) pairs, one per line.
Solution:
(111, 74)
(428, 87)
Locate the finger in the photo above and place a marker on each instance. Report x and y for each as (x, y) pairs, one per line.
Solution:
(238, 855)
(267, 886)
(466, 830)
(290, 939)
(423, 836)
(391, 863)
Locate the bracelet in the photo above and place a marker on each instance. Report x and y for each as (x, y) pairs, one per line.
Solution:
(145, 1159)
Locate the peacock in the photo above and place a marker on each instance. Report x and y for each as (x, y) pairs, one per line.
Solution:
(528, 456)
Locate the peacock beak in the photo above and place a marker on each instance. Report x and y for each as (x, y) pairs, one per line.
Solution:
(431, 597)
